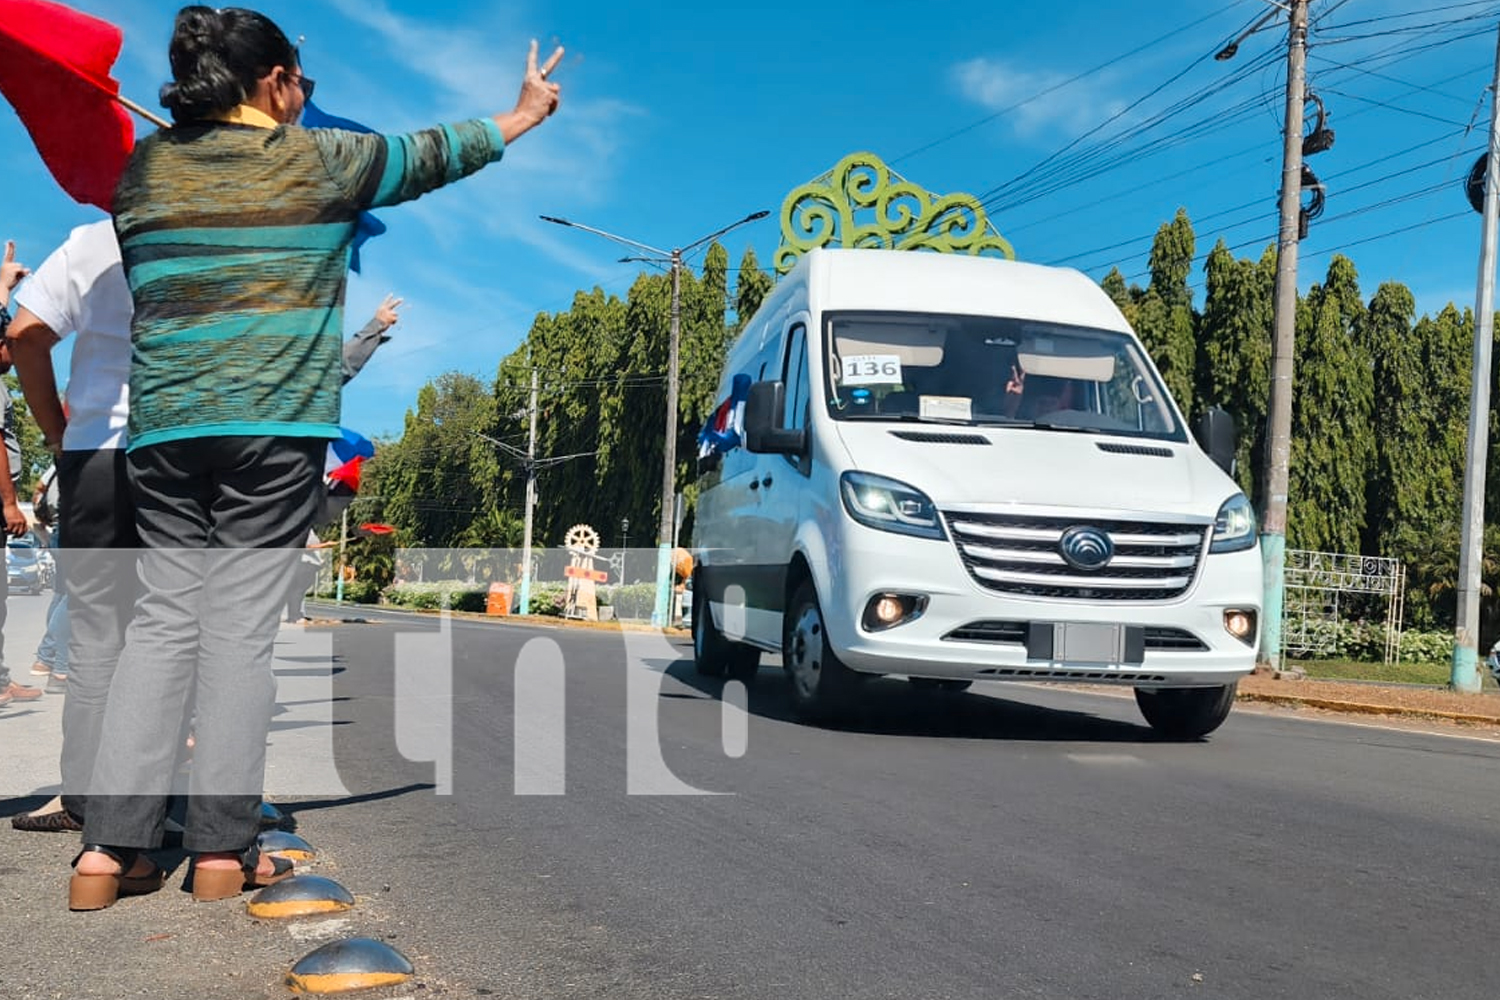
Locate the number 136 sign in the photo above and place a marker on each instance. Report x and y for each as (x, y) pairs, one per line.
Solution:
(871, 369)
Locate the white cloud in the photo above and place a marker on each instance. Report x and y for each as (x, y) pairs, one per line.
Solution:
(453, 71)
(998, 85)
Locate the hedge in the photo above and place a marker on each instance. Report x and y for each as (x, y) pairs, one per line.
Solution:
(456, 595)
(355, 591)
(1365, 642)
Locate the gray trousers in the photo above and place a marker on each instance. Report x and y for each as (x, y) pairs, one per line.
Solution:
(222, 523)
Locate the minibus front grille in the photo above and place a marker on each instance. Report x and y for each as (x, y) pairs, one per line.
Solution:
(1014, 554)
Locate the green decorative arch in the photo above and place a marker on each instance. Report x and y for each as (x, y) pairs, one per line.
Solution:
(862, 202)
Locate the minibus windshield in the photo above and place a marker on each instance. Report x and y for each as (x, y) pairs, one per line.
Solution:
(988, 371)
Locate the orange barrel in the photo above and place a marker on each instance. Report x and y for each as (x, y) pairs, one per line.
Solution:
(498, 602)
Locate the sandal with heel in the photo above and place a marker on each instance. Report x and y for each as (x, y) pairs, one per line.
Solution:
(97, 892)
(210, 884)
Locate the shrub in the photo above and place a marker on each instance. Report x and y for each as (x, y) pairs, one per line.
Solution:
(634, 600)
(1364, 642)
(1426, 647)
(456, 595)
(549, 599)
(355, 592)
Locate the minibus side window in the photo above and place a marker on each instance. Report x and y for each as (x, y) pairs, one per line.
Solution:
(795, 379)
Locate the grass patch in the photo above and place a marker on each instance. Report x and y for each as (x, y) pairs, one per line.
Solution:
(1394, 673)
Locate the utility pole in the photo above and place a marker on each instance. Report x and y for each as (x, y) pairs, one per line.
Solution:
(530, 502)
(1279, 429)
(661, 615)
(1465, 675)
(343, 543)
(532, 465)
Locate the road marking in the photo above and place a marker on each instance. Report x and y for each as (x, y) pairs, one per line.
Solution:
(1112, 759)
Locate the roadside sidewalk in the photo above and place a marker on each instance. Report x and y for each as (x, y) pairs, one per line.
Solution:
(1375, 700)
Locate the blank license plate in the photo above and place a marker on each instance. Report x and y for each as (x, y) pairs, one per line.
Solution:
(1086, 643)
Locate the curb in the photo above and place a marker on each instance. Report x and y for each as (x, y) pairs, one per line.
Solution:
(551, 621)
(1361, 708)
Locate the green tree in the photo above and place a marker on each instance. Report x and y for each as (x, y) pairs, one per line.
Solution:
(1401, 408)
(750, 288)
(34, 454)
(1234, 359)
(1165, 320)
(443, 472)
(1332, 448)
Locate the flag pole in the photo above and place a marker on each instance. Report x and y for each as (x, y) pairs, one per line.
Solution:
(130, 105)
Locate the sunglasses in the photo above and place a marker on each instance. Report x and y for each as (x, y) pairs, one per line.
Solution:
(307, 84)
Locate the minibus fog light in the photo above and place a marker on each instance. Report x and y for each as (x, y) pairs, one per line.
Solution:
(889, 610)
(1240, 624)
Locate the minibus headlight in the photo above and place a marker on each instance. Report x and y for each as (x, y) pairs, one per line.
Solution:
(1234, 528)
(889, 505)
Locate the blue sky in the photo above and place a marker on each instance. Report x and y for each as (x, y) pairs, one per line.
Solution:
(681, 118)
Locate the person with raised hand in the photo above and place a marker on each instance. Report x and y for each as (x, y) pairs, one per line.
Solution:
(235, 229)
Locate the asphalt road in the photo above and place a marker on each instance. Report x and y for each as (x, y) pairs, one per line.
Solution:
(1009, 842)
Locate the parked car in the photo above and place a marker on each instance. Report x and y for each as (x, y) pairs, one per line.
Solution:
(23, 565)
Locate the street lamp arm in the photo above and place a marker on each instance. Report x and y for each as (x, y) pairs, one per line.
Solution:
(752, 217)
(1228, 51)
(609, 236)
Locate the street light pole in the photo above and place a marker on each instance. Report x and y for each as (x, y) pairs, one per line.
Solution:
(1464, 674)
(1284, 323)
(1284, 313)
(661, 615)
(525, 605)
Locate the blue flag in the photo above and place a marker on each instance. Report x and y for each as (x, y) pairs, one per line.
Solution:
(366, 226)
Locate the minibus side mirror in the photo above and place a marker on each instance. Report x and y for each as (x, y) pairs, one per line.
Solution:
(1216, 435)
(764, 434)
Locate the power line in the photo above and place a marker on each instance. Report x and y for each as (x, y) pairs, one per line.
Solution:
(1385, 18)
(1392, 175)
(1392, 107)
(1059, 86)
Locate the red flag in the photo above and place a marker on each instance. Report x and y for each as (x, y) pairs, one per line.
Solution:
(54, 69)
(346, 476)
(375, 528)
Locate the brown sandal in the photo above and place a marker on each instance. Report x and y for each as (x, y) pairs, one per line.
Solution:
(96, 892)
(210, 884)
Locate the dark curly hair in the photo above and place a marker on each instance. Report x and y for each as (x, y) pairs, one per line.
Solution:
(218, 55)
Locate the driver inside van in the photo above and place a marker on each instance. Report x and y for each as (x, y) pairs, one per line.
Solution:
(1034, 396)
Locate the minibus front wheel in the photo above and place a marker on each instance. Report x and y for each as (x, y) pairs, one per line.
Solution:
(1186, 713)
(821, 684)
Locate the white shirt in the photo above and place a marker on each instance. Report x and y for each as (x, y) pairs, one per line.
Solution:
(81, 289)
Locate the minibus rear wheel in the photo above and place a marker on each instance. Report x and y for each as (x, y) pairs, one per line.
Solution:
(821, 684)
(713, 654)
(1186, 713)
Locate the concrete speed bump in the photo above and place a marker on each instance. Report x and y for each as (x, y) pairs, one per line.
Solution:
(281, 844)
(300, 896)
(354, 964)
(271, 818)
